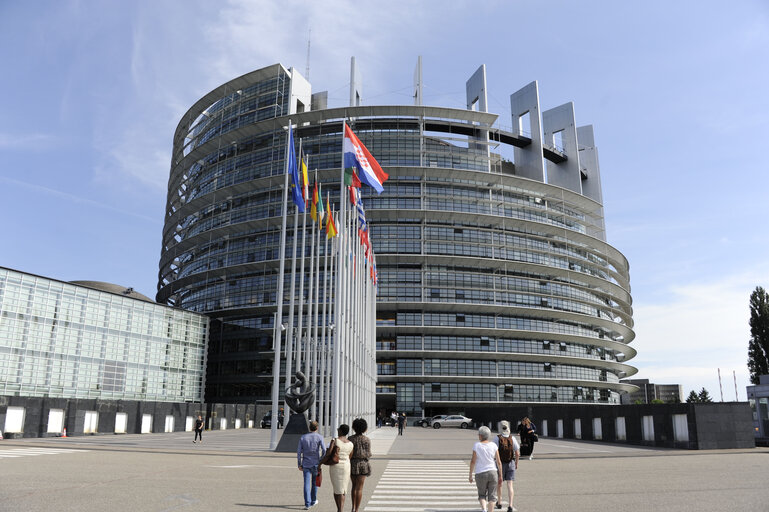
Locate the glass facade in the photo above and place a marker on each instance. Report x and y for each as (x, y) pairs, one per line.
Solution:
(493, 287)
(62, 340)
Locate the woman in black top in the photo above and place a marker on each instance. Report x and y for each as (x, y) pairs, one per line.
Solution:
(527, 431)
(359, 466)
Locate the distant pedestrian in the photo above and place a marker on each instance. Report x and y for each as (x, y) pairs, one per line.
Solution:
(528, 433)
(486, 467)
(199, 429)
(308, 455)
(340, 472)
(401, 423)
(509, 453)
(394, 417)
(359, 465)
(379, 420)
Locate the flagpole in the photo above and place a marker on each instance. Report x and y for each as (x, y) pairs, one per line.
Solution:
(330, 331)
(316, 345)
(338, 315)
(300, 313)
(290, 333)
(311, 290)
(349, 330)
(279, 315)
(311, 302)
(324, 323)
(322, 344)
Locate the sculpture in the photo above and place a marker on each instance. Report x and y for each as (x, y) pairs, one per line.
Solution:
(300, 395)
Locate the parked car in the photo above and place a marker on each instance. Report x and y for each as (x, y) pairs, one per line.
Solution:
(426, 422)
(453, 420)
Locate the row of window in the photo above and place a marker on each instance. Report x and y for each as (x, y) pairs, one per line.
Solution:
(491, 344)
(411, 397)
(419, 319)
(482, 368)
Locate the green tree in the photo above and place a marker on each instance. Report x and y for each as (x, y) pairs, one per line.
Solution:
(693, 398)
(758, 347)
(704, 396)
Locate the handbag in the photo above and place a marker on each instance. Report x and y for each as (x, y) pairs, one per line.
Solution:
(534, 437)
(319, 477)
(331, 456)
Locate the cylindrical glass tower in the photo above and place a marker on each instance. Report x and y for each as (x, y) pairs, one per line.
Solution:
(496, 284)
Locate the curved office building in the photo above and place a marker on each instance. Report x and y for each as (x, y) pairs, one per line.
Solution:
(496, 283)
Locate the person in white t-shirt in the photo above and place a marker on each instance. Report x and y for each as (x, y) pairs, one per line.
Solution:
(486, 467)
(509, 453)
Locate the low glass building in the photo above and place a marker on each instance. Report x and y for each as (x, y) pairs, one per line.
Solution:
(496, 283)
(96, 340)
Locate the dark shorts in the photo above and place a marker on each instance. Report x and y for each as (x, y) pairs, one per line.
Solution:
(508, 470)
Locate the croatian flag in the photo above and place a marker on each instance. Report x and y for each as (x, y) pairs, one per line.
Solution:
(358, 157)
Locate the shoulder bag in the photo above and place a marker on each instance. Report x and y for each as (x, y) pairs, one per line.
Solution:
(331, 456)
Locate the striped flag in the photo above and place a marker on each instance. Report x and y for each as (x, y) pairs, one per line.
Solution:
(362, 163)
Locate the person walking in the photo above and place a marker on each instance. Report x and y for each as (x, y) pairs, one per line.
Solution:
(308, 454)
(509, 453)
(401, 423)
(359, 465)
(486, 467)
(528, 433)
(340, 473)
(199, 429)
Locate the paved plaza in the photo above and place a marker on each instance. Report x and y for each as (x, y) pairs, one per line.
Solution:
(425, 470)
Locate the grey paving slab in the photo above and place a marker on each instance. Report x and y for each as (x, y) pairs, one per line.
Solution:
(233, 470)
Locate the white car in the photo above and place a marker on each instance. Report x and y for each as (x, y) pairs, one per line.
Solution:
(453, 420)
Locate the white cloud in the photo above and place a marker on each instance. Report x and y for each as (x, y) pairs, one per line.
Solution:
(12, 141)
(90, 203)
(700, 328)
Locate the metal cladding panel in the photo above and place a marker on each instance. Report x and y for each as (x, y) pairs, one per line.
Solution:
(476, 90)
(301, 93)
(356, 84)
(591, 173)
(418, 82)
(561, 120)
(528, 160)
(588, 160)
(476, 94)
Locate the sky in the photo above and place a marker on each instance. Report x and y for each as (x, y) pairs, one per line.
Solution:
(677, 92)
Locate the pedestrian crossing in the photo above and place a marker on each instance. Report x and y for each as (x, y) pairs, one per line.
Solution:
(34, 452)
(424, 486)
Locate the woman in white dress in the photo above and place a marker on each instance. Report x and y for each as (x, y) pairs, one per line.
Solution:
(340, 473)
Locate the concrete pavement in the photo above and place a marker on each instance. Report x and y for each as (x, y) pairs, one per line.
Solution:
(424, 470)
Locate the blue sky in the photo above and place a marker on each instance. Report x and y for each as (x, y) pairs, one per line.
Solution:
(91, 92)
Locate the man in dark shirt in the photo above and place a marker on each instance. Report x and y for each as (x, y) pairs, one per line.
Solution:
(401, 423)
(199, 429)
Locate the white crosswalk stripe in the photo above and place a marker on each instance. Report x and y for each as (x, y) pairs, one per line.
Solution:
(424, 486)
(34, 452)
